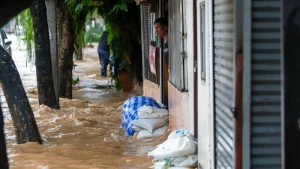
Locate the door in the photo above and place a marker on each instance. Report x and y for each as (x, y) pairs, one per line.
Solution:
(265, 121)
(224, 83)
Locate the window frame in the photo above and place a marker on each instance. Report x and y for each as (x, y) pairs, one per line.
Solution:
(202, 40)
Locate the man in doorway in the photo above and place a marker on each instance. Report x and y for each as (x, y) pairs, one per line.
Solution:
(161, 29)
(103, 53)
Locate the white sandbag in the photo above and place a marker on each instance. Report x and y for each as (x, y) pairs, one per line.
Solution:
(157, 113)
(186, 161)
(137, 128)
(151, 124)
(156, 133)
(176, 147)
(163, 165)
(161, 105)
(183, 161)
(160, 165)
(181, 133)
(146, 109)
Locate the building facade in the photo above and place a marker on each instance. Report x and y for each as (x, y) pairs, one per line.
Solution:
(233, 80)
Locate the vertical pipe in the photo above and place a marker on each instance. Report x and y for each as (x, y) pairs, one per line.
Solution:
(239, 110)
(195, 72)
(246, 83)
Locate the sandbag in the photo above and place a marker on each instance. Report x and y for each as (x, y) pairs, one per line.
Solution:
(156, 113)
(175, 147)
(151, 124)
(164, 165)
(130, 111)
(186, 161)
(143, 134)
(162, 106)
(181, 168)
(137, 128)
(181, 133)
(146, 109)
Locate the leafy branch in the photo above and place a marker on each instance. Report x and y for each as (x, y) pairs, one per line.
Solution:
(25, 20)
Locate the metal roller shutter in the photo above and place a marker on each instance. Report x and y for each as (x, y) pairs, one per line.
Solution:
(265, 85)
(224, 83)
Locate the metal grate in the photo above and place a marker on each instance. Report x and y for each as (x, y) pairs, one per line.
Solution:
(224, 83)
(146, 33)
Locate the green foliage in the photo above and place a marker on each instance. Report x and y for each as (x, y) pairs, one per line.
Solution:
(122, 23)
(121, 5)
(24, 20)
(75, 81)
(93, 35)
(80, 11)
(123, 65)
(118, 85)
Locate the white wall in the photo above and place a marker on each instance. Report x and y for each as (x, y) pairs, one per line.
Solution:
(190, 60)
(188, 116)
(205, 108)
(205, 99)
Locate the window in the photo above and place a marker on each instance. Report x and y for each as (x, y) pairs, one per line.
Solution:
(202, 41)
(176, 47)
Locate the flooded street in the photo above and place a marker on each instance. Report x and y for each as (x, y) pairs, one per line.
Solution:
(85, 132)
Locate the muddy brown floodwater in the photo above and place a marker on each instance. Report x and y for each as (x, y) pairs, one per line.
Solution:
(85, 132)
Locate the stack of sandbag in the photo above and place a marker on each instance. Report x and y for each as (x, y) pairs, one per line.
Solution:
(151, 122)
(179, 150)
(130, 111)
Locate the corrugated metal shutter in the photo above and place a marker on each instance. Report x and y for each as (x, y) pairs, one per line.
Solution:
(224, 83)
(146, 33)
(265, 85)
(174, 42)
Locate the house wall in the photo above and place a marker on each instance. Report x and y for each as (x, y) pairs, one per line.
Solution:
(151, 89)
(205, 99)
(175, 108)
(179, 117)
(180, 105)
(190, 67)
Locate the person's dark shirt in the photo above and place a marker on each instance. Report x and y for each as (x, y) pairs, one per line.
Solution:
(103, 42)
(166, 53)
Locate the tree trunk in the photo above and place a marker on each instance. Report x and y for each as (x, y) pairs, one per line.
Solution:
(43, 55)
(3, 155)
(23, 119)
(52, 24)
(79, 54)
(65, 50)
